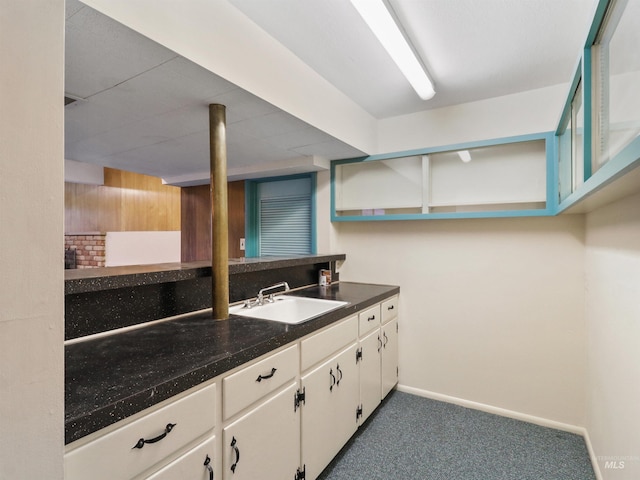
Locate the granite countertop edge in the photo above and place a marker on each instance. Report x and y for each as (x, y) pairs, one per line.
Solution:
(107, 278)
(89, 412)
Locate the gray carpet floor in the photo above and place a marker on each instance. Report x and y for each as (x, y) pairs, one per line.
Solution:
(414, 438)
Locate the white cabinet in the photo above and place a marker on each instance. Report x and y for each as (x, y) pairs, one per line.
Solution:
(197, 464)
(389, 344)
(377, 354)
(389, 356)
(369, 360)
(265, 442)
(329, 412)
(257, 380)
(282, 416)
(507, 175)
(369, 319)
(150, 440)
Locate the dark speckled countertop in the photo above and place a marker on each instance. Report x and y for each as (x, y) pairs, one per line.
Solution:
(105, 278)
(113, 377)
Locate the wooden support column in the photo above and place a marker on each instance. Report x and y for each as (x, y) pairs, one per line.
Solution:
(219, 212)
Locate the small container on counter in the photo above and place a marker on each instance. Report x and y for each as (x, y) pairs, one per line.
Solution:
(324, 278)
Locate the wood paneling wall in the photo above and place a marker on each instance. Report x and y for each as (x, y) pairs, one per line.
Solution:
(196, 221)
(126, 202)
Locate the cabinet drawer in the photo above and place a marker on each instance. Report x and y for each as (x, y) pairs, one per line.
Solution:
(389, 309)
(190, 466)
(369, 319)
(114, 456)
(321, 345)
(255, 381)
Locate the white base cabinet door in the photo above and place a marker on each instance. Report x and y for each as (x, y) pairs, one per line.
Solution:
(265, 443)
(198, 464)
(389, 335)
(369, 360)
(329, 411)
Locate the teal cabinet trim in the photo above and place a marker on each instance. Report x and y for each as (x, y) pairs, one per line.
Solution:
(443, 148)
(596, 22)
(251, 218)
(314, 214)
(551, 149)
(625, 161)
(565, 116)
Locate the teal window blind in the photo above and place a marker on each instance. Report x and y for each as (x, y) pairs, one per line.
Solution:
(285, 225)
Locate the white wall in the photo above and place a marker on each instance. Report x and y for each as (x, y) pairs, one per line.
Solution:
(522, 113)
(613, 330)
(491, 310)
(31, 239)
(82, 172)
(142, 248)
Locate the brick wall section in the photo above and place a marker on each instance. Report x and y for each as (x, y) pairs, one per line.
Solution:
(89, 249)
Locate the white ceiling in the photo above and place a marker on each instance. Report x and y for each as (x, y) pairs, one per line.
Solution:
(143, 108)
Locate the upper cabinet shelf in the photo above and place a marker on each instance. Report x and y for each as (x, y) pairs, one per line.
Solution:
(504, 177)
(593, 157)
(599, 132)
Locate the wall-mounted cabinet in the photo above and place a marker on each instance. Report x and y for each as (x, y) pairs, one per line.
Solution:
(493, 178)
(599, 132)
(591, 159)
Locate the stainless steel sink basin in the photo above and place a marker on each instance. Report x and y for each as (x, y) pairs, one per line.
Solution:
(289, 309)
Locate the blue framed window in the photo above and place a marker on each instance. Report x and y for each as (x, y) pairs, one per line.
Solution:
(609, 94)
(280, 216)
(616, 77)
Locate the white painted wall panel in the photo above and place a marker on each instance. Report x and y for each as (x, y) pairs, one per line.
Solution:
(31, 239)
(613, 333)
(491, 309)
(141, 248)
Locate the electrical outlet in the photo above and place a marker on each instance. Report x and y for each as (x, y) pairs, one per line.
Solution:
(242, 244)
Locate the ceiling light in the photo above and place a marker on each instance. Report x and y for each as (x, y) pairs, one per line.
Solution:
(380, 21)
(465, 156)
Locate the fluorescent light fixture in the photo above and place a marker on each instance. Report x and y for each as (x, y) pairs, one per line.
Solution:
(465, 156)
(380, 21)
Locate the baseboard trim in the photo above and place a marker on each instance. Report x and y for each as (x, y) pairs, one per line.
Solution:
(592, 455)
(544, 422)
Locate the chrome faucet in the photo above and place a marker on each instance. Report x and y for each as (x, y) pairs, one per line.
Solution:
(260, 300)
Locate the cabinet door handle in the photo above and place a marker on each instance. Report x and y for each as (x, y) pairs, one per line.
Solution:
(264, 377)
(379, 343)
(371, 318)
(333, 379)
(207, 462)
(386, 339)
(237, 451)
(142, 441)
(339, 374)
(390, 307)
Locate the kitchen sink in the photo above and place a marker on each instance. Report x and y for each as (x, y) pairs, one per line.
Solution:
(288, 309)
